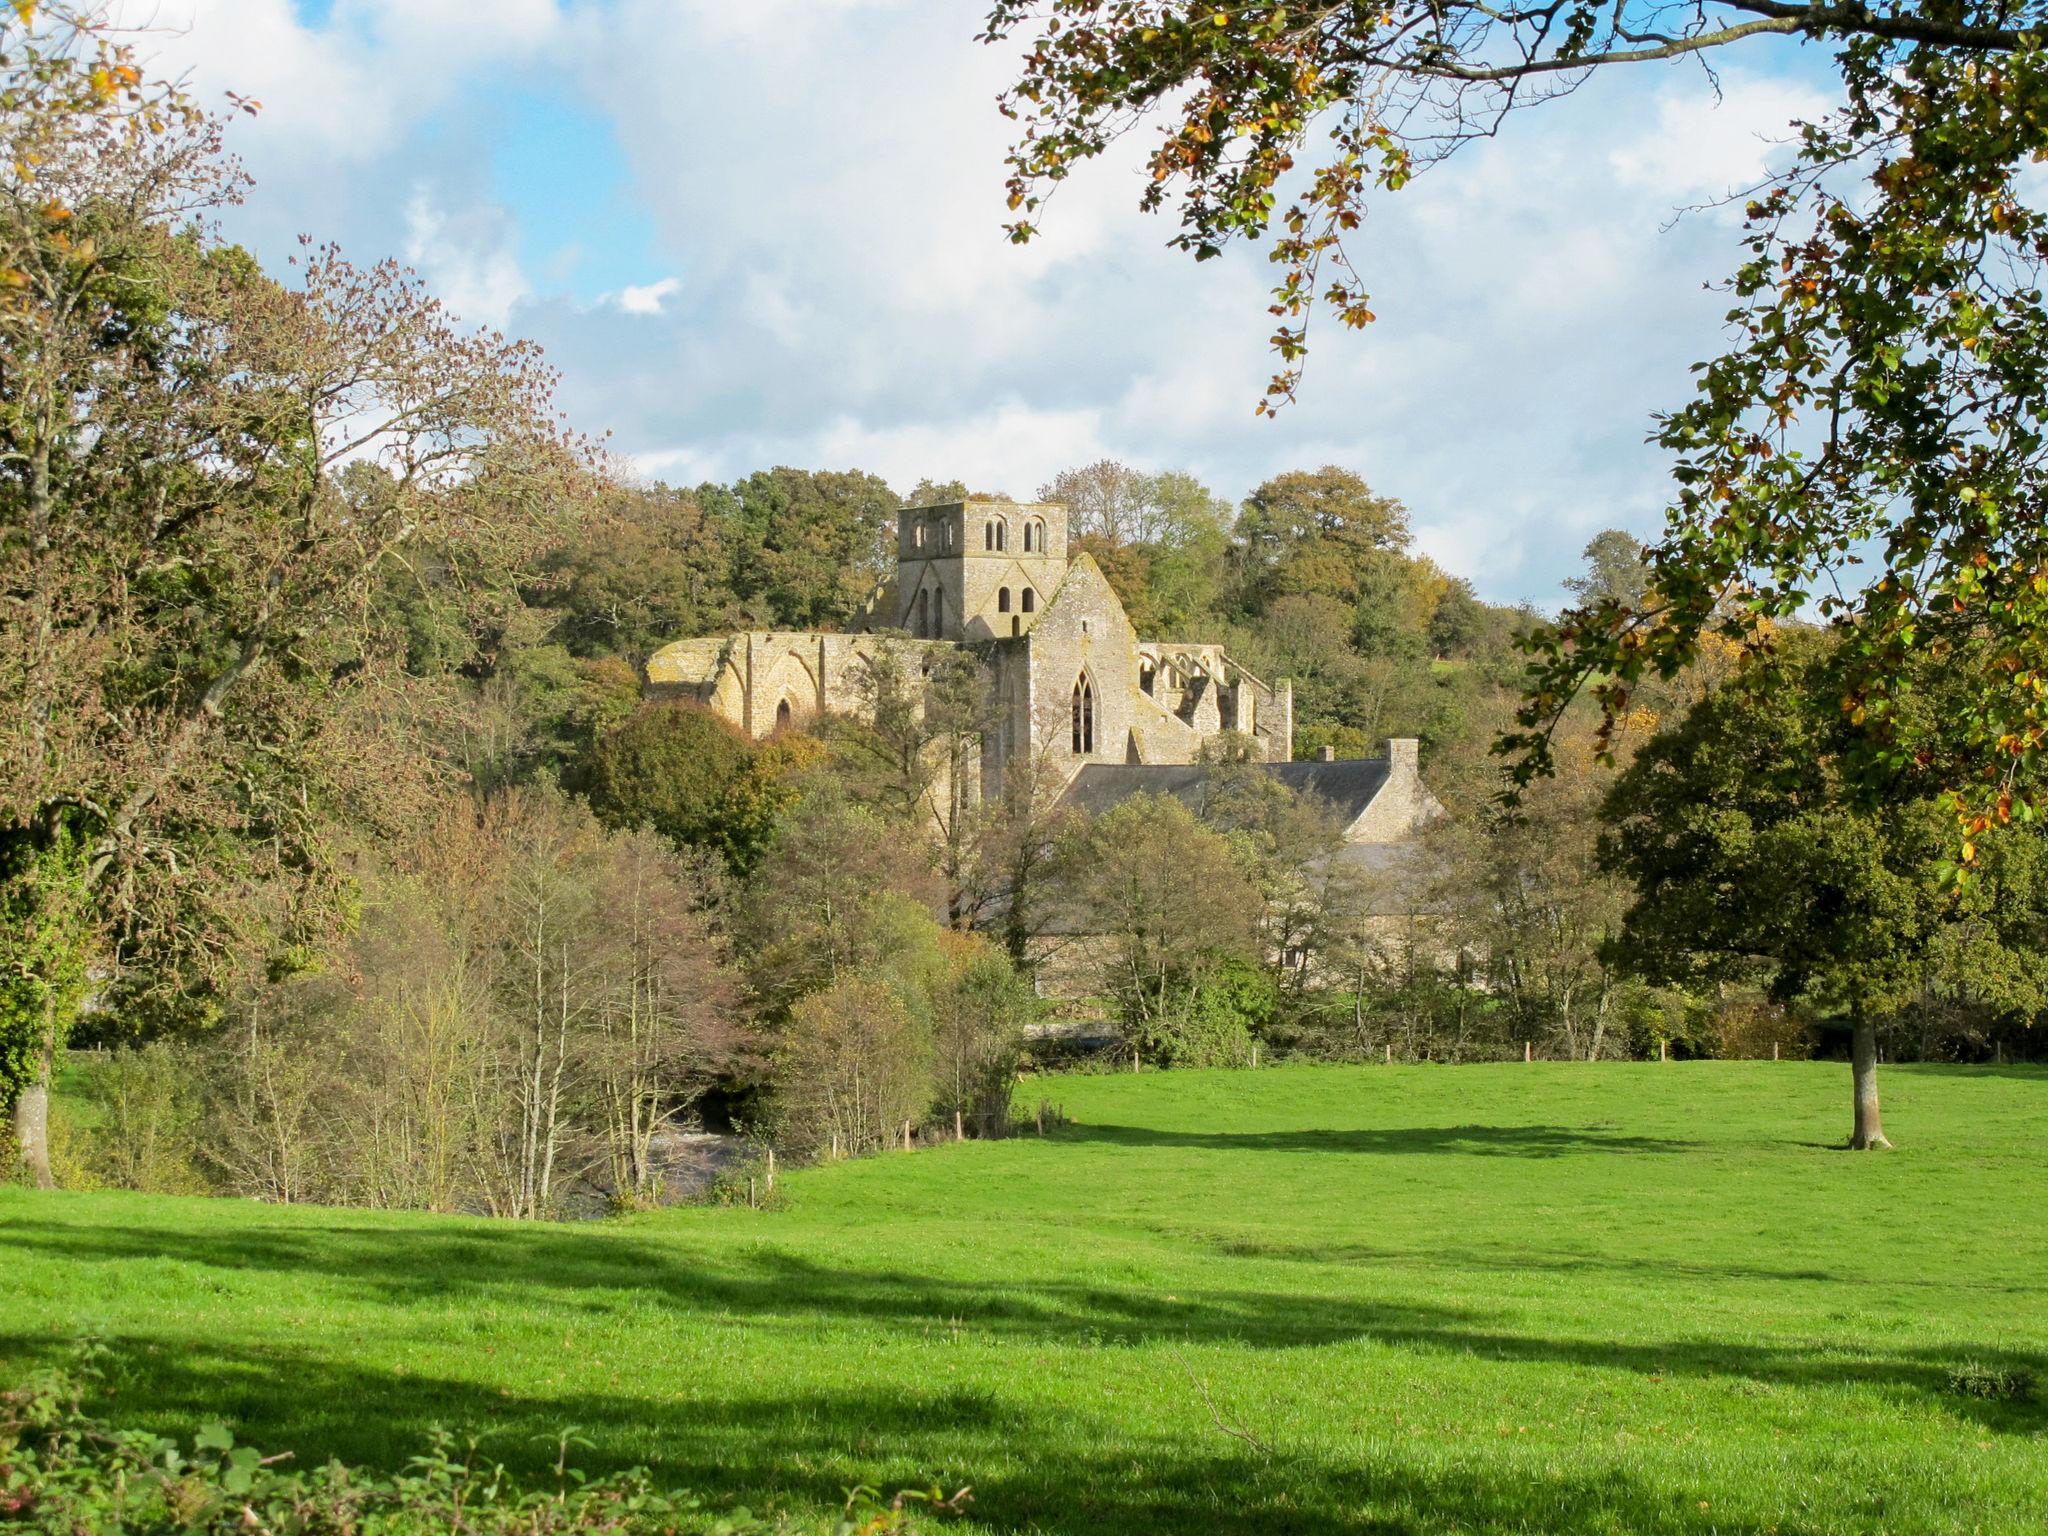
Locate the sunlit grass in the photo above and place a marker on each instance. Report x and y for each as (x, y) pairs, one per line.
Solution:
(1515, 1298)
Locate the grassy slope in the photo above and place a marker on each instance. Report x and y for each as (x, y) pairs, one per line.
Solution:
(1548, 1298)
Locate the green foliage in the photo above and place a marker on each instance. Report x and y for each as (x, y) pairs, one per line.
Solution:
(146, 1128)
(1753, 857)
(47, 932)
(693, 778)
(63, 1470)
(1234, 1006)
(808, 546)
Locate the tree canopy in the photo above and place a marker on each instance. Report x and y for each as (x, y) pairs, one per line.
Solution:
(1870, 444)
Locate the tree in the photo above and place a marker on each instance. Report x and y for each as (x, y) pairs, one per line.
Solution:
(672, 766)
(188, 686)
(1177, 909)
(810, 546)
(852, 1069)
(1614, 572)
(1868, 441)
(978, 1006)
(666, 1004)
(1750, 856)
(651, 567)
(840, 893)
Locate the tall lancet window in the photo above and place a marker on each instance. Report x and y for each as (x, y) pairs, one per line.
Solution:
(1084, 715)
(924, 613)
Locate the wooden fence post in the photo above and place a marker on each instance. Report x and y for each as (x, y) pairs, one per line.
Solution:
(1390, 1053)
(1774, 1050)
(959, 1130)
(753, 1200)
(906, 1135)
(1041, 1117)
(1662, 1053)
(1528, 1050)
(771, 1170)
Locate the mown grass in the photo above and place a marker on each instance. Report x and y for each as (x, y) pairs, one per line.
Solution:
(1500, 1298)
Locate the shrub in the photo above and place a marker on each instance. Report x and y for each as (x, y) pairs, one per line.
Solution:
(60, 1470)
(854, 1064)
(147, 1104)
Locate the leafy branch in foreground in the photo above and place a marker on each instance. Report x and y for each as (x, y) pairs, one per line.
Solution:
(1873, 447)
(1869, 447)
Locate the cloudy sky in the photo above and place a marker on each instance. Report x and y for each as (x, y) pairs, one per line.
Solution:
(753, 232)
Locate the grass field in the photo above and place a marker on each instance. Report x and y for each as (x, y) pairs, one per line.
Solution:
(1625, 1298)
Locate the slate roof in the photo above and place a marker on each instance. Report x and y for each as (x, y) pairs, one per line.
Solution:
(1347, 784)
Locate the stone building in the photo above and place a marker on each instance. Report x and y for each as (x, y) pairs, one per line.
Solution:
(1073, 682)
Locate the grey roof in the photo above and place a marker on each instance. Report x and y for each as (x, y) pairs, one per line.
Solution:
(1347, 784)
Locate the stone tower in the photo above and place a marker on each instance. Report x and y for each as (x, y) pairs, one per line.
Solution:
(977, 570)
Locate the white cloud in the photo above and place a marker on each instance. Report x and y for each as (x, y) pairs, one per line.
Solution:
(464, 260)
(648, 298)
(1703, 149)
(829, 175)
(345, 92)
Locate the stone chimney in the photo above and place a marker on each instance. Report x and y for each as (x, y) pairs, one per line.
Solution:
(1404, 757)
(1326, 754)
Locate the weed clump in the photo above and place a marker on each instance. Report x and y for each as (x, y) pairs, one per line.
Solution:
(1996, 1383)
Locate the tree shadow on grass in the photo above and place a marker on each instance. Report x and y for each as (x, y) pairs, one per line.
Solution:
(614, 1275)
(1539, 1141)
(1032, 1467)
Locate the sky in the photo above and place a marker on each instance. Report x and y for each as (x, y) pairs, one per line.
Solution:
(759, 232)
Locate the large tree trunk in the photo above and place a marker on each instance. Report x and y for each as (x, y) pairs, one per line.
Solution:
(32, 1117)
(1863, 1064)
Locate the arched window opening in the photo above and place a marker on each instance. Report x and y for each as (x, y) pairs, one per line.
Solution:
(1029, 599)
(1147, 678)
(946, 536)
(999, 533)
(783, 715)
(1003, 600)
(988, 535)
(924, 614)
(1016, 626)
(938, 613)
(1034, 535)
(917, 535)
(1084, 715)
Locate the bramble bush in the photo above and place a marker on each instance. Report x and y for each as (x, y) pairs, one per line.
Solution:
(63, 1471)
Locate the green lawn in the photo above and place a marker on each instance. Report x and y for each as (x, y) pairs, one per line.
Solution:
(1549, 1298)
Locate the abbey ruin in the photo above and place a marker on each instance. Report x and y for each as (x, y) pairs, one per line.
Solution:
(1073, 683)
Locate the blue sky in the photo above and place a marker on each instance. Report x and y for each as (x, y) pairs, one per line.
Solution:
(771, 233)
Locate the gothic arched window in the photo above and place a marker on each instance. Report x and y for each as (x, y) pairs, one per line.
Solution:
(1029, 599)
(1003, 600)
(1084, 715)
(988, 535)
(1034, 536)
(783, 715)
(924, 614)
(938, 613)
